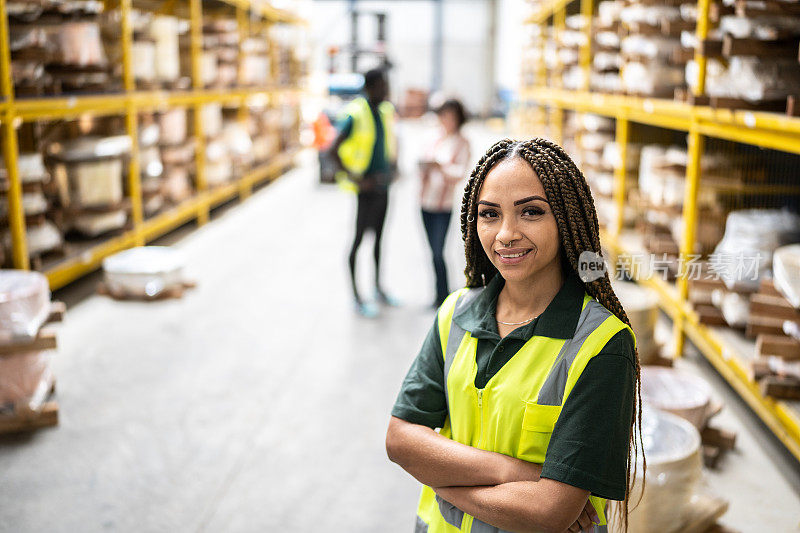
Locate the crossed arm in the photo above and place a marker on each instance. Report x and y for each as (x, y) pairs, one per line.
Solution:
(495, 488)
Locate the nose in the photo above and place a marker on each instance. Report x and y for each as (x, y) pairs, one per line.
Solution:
(508, 231)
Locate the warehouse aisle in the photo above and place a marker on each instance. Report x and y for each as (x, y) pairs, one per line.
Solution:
(259, 401)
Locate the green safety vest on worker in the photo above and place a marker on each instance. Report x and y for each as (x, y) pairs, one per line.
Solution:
(355, 152)
(515, 413)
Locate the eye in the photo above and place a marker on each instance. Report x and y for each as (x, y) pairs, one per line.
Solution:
(487, 213)
(533, 211)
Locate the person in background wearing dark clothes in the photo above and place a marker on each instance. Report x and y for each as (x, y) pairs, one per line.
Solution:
(444, 165)
(365, 150)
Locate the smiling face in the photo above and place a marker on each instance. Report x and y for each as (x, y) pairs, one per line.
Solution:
(515, 224)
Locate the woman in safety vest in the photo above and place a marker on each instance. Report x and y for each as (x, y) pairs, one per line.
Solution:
(531, 371)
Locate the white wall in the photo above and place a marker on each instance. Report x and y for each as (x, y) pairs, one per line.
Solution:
(410, 34)
(510, 39)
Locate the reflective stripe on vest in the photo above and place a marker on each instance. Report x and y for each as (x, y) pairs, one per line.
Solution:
(355, 152)
(518, 417)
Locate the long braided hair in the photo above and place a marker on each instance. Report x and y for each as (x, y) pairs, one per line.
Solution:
(573, 207)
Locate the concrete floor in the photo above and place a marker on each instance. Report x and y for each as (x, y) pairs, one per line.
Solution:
(259, 401)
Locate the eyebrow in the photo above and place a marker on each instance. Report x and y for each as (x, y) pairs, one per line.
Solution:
(518, 202)
(530, 199)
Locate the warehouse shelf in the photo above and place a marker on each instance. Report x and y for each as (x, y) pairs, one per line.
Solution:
(547, 9)
(728, 351)
(265, 10)
(253, 18)
(89, 259)
(767, 130)
(112, 104)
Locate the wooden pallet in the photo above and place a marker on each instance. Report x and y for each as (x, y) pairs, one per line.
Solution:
(23, 418)
(704, 511)
(170, 293)
(748, 8)
(777, 49)
(787, 105)
(780, 387)
(38, 260)
(45, 338)
(715, 441)
(778, 346)
(769, 309)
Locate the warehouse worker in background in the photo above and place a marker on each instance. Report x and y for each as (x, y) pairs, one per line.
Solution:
(365, 151)
(443, 167)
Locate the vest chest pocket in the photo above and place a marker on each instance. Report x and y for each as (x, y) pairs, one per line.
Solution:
(537, 427)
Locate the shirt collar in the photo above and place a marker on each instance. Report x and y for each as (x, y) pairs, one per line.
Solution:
(558, 321)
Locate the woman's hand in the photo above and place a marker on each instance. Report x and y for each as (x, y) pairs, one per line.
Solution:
(586, 520)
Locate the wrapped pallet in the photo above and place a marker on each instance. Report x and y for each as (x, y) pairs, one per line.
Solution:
(79, 45)
(219, 166)
(674, 463)
(94, 167)
(165, 33)
(677, 392)
(145, 271)
(24, 304)
(786, 273)
(177, 184)
(744, 255)
(25, 379)
(212, 120)
(641, 306)
(173, 124)
(94, 224)
(143, 60)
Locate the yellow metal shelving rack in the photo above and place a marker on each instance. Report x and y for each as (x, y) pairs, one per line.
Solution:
(767, 130)
(130, 103)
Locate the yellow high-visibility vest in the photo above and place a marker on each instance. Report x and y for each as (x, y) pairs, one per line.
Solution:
(356, 151)
(515, 413)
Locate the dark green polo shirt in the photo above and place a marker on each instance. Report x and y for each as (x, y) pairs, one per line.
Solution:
(589, 445)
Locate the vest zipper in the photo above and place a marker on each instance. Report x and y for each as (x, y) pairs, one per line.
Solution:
(480, 417)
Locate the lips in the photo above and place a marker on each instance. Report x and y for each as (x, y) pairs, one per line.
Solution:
(511, 256)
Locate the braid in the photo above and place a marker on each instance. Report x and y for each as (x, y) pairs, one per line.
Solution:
(571, 202)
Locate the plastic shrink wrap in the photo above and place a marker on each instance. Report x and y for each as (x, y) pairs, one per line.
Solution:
(79, 44)
(786, 273)
(173, 125)
(735, 307)
(144, 271)
(24, 304)
(95, 224)
(677, 392)
(164, 31)
(672, 449)
(641, 305)
(177, 185)
(94, 167)
(744, 254)
(25, 378)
